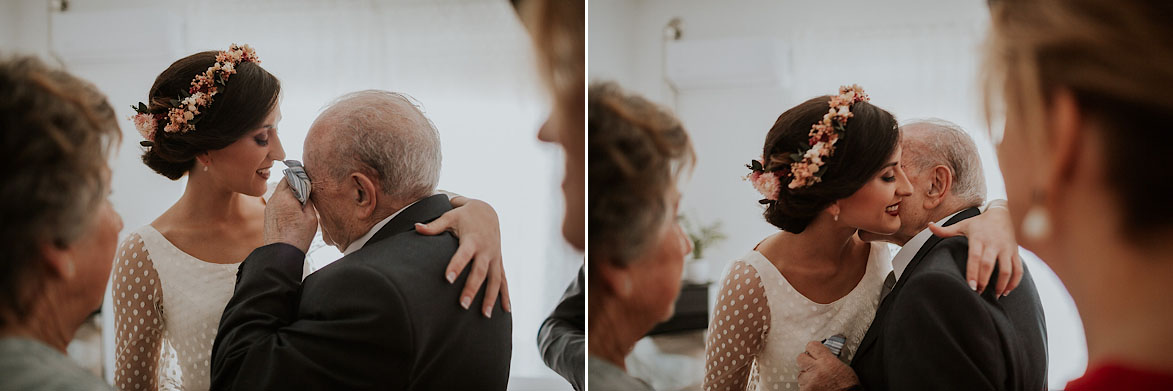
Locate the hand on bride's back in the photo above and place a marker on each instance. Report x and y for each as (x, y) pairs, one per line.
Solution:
(288, 221)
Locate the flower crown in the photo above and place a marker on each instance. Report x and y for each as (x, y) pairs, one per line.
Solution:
(184, 112)
(804, 167)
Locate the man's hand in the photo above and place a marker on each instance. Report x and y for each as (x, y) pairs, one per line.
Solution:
(991, 241)
(475, 223)
(820, 370)
(288, 221)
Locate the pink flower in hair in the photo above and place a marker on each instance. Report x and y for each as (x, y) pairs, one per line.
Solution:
(766, 183)
(146, 124)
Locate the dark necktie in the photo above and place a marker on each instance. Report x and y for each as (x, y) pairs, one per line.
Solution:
(889, 283)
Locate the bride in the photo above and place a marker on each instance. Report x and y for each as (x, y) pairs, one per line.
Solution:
(213, 117)
(826, 175)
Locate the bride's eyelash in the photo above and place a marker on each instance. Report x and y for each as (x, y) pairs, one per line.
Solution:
(262, 141)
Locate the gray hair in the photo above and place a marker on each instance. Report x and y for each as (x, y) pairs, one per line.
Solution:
(387, 135)
(59, 132)
(948, 144)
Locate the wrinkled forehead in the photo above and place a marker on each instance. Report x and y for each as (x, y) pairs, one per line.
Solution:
(316, 142)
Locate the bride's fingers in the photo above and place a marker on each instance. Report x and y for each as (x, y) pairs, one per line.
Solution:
(988, 260)
(437, 226)
(459, 260)
(505, 303)
(973, 265)
(1019, 271)
(948, 232)
(476, 278)
(491, 290)
(1005, 273)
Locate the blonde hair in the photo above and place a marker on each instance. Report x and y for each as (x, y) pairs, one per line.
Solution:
(1116, 59)
(558, 28)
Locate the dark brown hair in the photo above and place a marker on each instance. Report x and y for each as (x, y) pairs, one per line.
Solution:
(240, 106)
(868, 141)
(636, 152)
(56, 132)
(1116, 57)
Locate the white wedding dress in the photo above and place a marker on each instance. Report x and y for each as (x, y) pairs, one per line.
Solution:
(167, 307)
(761, 323)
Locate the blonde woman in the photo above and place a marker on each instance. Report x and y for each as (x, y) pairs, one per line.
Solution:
(1088, 172)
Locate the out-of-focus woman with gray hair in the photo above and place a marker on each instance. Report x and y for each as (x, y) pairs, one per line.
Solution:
(59, 231)
(637, 152)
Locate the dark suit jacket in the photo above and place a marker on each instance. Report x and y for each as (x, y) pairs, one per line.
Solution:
(380, 318)
(934, 333)
(563, 334)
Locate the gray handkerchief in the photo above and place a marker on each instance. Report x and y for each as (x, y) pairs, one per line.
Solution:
(299, 182)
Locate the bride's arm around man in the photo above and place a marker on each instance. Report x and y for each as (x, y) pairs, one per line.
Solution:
(379, 317)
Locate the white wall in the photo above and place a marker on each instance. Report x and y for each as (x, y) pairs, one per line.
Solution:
(916, 58)
(469, 63)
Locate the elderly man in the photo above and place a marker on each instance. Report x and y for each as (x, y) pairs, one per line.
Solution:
(378, 318)
(932, 331)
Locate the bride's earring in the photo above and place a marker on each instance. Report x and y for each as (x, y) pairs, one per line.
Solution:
(836, 217)
(205, 168)
(1036, 224)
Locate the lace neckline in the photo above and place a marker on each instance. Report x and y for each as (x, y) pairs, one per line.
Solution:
(873, 252)
(158, 237)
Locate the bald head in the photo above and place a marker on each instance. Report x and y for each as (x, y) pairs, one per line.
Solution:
(383, 135)
(931, 142)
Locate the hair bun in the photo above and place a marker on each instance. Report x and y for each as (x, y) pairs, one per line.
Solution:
(169, 168)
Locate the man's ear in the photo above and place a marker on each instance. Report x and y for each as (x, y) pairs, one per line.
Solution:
(940, 184)
(365, 197)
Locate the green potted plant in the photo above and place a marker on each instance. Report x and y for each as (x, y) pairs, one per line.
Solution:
(703, 237)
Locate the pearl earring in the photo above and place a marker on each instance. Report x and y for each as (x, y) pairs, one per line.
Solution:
(205, 168)
(1037, 223)
(836, 216)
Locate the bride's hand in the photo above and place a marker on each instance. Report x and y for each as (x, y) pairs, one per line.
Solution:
(288, 221)
(475, 223)
(991, 241)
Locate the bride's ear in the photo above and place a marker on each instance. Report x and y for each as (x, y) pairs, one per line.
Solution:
(204, 158)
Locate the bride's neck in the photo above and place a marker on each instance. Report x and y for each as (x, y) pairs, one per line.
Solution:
(823, 243)
(206, 200)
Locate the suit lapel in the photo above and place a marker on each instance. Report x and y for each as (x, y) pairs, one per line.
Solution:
(423, 211)
(873, 332)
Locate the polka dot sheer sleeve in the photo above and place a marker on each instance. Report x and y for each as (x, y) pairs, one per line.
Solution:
(737, 332)
(138, 318)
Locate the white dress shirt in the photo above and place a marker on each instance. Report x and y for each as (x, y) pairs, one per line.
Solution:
(315, 264)
(909, 250)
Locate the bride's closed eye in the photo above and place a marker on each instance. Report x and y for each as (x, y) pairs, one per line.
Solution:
(262, 138)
